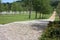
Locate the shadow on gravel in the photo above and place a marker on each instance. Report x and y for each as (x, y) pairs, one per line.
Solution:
(38, 27)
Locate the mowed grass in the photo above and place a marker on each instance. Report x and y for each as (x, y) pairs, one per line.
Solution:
(19, 17)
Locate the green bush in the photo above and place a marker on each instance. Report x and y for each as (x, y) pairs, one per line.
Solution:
(52, 32)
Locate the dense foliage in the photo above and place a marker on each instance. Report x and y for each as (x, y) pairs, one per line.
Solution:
(54, 4)
(15, 6)
(36, 5)
(0, 6)
(41, 6)
(58, 10)
(52, 32)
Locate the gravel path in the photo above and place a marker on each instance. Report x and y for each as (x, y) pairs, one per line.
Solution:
(21, 31)
(26, 30)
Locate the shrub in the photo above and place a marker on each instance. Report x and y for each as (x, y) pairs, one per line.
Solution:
(52, 32)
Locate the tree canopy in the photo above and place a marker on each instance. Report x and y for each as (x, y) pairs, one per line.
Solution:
(58, 10)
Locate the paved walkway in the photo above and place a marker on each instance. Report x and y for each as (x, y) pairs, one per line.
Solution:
(26, 30)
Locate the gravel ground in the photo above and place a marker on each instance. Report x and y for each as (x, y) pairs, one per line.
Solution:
(21, 31)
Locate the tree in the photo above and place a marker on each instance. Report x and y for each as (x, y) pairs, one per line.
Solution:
(5, 6)
(46, 7)
(17, 6)
(58, 10)
(8, 6)
(28, 4)
(0, 1)
(0, 6)
(36, 6)
(13, 7)
(54, 4)
(42, 6)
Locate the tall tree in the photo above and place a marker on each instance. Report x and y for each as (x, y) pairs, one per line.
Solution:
(28, 3)
(42, 6)
(58, 10)
(5, 7)
(16, 6)
(13, 6)
(0, 5)
(54, 4)
(36, 6)
(8, 6)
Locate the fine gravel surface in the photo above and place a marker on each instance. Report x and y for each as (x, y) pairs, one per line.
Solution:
(26, 30)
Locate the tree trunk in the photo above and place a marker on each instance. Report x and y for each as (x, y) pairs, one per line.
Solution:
(29, 14)
(59, 17)
(40, 15)
(36, 15)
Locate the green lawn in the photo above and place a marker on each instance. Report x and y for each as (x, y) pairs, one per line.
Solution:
(19, 17)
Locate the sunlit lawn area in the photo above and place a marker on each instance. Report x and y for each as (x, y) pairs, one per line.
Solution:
(19, 17)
